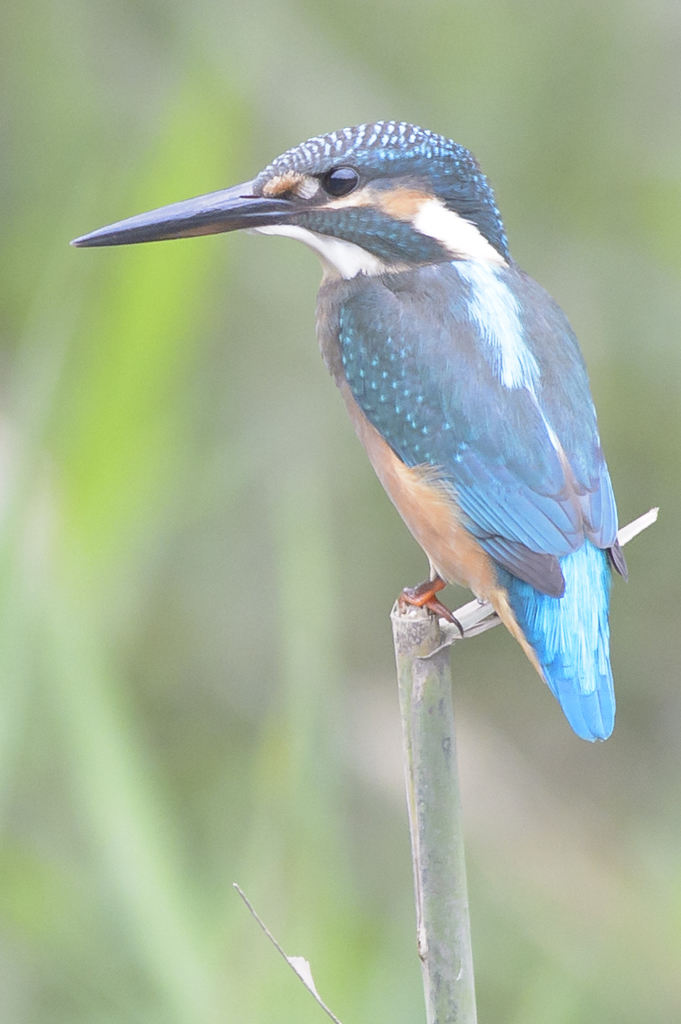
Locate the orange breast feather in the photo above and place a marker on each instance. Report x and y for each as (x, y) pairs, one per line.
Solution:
(430, 511)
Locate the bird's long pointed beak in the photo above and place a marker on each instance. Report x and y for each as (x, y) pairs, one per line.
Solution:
(228, 210)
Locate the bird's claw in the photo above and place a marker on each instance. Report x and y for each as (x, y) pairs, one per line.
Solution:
(423, 596)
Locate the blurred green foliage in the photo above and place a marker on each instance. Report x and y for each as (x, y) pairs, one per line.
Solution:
(197, 565)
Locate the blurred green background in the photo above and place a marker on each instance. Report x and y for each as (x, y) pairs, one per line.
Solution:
(197, 564)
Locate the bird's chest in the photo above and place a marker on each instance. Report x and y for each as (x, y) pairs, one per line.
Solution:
(388, 366)
(394, 413)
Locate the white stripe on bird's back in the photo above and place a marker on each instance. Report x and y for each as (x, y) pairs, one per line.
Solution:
(494, 309)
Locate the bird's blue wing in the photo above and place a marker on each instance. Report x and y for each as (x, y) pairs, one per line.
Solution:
(483, 378)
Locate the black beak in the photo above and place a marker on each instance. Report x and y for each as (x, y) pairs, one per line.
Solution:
(229, 210)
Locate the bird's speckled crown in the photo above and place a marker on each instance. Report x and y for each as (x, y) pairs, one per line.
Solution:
(373, 143)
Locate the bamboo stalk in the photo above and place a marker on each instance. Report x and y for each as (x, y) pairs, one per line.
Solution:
(434, 805)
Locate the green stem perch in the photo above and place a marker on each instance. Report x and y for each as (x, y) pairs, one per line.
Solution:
(434, 805)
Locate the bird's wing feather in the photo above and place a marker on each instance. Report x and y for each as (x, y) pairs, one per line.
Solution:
(507, 417)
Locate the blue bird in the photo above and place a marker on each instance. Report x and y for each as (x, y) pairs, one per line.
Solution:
(462, 377)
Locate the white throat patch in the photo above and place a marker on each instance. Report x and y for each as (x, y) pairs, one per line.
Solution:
(338, 257)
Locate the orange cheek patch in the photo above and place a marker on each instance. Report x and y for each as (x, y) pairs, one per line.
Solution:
(402, 204)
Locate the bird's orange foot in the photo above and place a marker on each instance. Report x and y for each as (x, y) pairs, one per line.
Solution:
(423, 596)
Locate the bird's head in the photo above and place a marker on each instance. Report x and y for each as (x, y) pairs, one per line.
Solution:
(376, 198)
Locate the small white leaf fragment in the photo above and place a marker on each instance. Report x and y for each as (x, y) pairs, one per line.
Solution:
(302, 968)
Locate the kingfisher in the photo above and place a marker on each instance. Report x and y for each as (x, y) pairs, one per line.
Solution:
(462, 377)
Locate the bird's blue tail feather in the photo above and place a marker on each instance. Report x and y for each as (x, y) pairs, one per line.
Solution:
(571, 638)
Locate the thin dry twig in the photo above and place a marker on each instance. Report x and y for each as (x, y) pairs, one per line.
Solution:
(298, 964)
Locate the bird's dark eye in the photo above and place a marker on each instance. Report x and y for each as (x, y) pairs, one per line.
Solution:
(340, 181)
